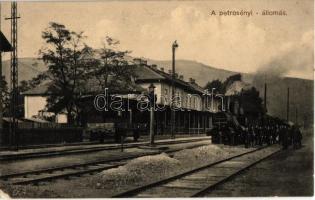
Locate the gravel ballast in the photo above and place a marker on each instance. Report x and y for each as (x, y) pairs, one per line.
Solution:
(134, 173)
(148, 169)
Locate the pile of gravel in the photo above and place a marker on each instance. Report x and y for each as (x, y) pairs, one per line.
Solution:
(27, 191)
(201, 155)
(148, 169)
(140, 170)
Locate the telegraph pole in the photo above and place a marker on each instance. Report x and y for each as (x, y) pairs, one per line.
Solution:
(288, 104)
(265, 96)
(296, 115)
(152, 103)
(174, 46)
(14, 73)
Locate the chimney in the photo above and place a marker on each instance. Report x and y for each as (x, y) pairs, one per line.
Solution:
(191, 80)
(154, 66)
(162, 69)
(181, 77)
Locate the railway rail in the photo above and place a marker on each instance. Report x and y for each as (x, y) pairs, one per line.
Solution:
(196, 182)
(23, 156)
(76, 170)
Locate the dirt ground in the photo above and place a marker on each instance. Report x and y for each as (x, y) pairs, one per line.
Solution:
(288, 173)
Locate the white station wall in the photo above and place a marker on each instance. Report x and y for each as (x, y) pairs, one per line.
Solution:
(33, 104)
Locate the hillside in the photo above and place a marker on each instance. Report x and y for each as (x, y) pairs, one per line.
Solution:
(301, 98)
(202, 73)
(28, 68)
(301, 90)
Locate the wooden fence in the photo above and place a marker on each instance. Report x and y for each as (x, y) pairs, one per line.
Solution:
(42, 135)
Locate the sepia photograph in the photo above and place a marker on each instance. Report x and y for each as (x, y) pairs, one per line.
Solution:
(156, 99)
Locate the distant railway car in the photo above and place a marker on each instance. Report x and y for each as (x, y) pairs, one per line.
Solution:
(99, 131)
(113, 131)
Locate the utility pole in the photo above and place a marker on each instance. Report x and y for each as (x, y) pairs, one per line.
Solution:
(296, 115)
(174, 46)
(152, 99)
(14, 74)
(265, 96)
(288, 104)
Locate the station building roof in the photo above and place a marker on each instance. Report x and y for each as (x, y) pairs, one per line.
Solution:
(147, 74)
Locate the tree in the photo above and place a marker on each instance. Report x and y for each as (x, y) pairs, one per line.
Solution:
(112, 68)
(68, 60)
(30, 84)
(5, 95)
(24, 86)
(217, 84)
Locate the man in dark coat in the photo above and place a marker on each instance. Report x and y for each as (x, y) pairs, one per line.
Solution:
(251, 135)
(258, 136)
(246, 137)
(297, 138)
(285, 138)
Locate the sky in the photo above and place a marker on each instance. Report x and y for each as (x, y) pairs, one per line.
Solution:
(148, 28)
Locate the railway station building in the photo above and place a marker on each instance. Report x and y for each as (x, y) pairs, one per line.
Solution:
(195, 107)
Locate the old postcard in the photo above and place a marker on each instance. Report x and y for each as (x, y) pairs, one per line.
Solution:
(156, 99)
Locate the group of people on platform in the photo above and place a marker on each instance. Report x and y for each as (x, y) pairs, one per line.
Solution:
(258, 135)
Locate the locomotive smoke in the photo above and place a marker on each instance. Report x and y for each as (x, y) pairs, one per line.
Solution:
(296, 57)
(292, 59)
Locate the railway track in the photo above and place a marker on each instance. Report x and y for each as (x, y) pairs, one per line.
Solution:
(53, 153)
(196, 182)
(36, 177)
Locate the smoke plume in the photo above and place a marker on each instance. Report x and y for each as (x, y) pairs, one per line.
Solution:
(291, 57)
